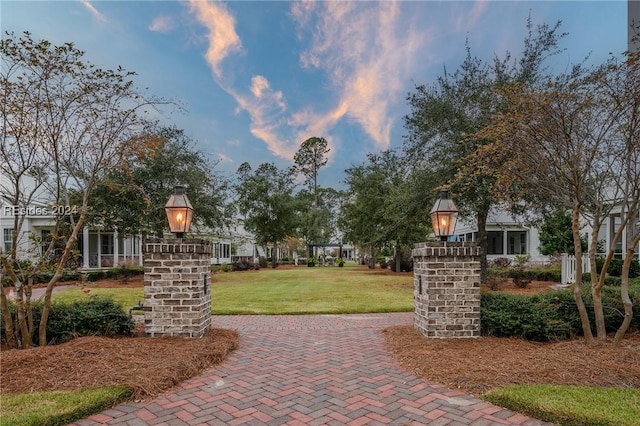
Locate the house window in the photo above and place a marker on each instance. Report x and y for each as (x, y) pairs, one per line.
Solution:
(516, 242)
(494, 242)
(106, 246)
(617, 223)
(45, 240)
(7, 239)
(222, 250)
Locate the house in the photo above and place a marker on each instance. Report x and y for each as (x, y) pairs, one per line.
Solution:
(97, 247)
(507, 237)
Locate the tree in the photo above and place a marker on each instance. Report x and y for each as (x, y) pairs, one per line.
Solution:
(78, 120)
(446, 116)
(141, 189)
(556, 235)
(380, 206)
(318, 219)
(265, 198)
(311, 156)
(581, 153)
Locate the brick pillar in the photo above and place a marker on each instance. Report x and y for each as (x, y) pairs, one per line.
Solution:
(177, 296)
(446, 291)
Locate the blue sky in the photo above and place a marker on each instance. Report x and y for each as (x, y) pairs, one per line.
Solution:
(257, 78)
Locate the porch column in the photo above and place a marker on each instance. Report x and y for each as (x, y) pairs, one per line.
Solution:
(85, 247)
(116, 241)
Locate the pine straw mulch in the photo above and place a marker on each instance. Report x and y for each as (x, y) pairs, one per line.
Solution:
(148, 366)
(478, 365)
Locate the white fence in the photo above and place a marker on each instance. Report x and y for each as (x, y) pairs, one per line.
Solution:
(568, 267)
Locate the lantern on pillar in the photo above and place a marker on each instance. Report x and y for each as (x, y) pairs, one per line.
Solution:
(444, 216)
(179, 212)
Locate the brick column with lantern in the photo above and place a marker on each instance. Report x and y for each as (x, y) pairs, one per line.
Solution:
(446, 280)
(177, 294)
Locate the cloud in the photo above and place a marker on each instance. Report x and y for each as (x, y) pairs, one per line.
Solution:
(162, 24)
(99, 16)
(367, 50)
(266, 108)
(223, 39)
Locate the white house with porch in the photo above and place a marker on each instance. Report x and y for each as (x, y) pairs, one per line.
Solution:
(507, 236)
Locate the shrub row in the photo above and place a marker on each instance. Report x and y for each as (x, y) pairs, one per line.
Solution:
(94, 316)
(534, 274)
(119, 272)
(550, 316)
(615, 267)
(43, 277)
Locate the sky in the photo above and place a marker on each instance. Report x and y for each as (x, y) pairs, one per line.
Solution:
(257, 78)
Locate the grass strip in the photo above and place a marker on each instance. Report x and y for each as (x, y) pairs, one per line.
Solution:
(571, 405)
(58, 408)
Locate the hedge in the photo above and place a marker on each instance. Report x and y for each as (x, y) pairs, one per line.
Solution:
(93, 316)
(551, 316)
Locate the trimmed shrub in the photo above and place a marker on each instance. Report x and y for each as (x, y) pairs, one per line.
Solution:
(501, 262)
(608, 281)
(96, 276)
(523, 316)
(521, 278)
(551, 316)
(94, 316)
(615, 267)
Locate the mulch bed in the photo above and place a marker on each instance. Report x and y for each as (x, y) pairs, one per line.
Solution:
(147, 365)
(478, 365)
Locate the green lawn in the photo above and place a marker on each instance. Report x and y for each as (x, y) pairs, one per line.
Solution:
(58, 408)
(303, 290)
(572, 405)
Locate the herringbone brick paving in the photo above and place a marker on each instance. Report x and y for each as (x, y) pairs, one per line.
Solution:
(310, 370)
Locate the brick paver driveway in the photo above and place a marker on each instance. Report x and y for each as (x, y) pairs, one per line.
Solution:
(310, 370)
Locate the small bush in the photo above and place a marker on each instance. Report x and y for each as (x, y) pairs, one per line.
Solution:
(493, 283)
(551, 316)
(524, 316)
(96, 276)
(608, 281)
(94, 316)
(615, 267)
(244, 266)
(262, 261)
(521, 259)
(501, 262)
(521, 278)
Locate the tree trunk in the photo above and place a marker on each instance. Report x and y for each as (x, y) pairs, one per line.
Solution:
(398, 258)
(577, 292)
(372, 260)
(6, 313)
(42, 329)
(481, 218)
(274, 256)
(626, 301)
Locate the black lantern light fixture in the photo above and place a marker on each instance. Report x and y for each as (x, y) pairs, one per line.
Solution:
(444, 216)
(179, 212)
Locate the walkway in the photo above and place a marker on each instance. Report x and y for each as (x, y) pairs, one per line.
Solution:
(310, 370)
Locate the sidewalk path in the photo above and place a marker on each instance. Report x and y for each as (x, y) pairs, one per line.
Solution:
(310, 370)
